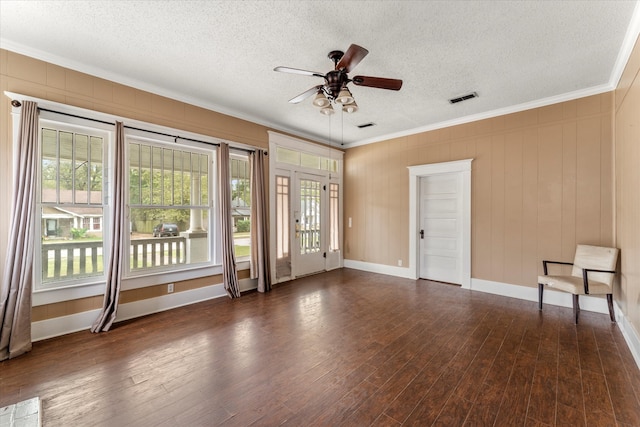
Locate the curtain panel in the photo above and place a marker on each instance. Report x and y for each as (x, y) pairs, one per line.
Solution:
(259, 223)
(229, 273)
(116, 257)
(17, 283)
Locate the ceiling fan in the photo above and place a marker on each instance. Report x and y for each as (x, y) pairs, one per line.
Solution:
(335, 87)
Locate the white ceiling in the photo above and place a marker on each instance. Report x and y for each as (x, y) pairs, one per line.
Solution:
(221, 54)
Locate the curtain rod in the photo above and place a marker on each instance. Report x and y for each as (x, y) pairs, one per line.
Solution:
(17, 103)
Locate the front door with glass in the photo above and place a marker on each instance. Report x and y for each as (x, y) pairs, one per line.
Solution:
(309, 224)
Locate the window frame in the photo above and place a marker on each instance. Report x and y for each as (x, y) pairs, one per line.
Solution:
(330, 166)
(189, 140)
(47, 121)
(71, 115)
(236, 155)
(173, 269)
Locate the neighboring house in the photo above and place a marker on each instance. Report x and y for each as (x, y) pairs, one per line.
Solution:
(240, 211)
(58, 222)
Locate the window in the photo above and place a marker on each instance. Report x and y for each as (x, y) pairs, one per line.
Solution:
(71, 194)
(169, 198)
(310, 227)
(306, 160)
(283, 255)
(334, 217)
(170, 208)
(241, 204)
(91, 223)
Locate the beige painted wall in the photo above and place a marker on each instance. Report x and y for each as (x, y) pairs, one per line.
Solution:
(542, 181)
(28, 76)
(627, 146)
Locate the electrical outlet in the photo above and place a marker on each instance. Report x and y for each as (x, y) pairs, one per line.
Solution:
(170, 288)
(399, 263)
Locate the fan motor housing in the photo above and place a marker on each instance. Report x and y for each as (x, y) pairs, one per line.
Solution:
(336, 79)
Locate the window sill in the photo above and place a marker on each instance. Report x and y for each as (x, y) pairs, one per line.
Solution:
(50, 296)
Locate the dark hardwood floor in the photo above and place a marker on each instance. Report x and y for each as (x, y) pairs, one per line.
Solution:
(340, 348)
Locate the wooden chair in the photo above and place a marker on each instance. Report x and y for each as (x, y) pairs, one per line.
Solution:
(592, 274)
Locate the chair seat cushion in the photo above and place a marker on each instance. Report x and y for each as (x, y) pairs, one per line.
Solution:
(574, 285)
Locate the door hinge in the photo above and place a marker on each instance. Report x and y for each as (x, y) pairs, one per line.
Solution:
(324, 187)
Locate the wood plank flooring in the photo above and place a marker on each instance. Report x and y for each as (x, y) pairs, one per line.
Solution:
(339, 348)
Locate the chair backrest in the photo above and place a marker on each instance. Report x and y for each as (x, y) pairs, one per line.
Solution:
(597, 257)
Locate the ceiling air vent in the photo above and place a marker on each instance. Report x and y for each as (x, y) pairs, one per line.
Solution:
(366, 125)
(463, 98)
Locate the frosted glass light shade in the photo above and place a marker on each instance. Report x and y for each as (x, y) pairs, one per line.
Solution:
(350, 108)
(344, 97)
(320, 100)
(327, 111)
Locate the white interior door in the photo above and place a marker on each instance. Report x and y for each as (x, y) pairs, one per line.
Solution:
(309, 219)
(441, 237)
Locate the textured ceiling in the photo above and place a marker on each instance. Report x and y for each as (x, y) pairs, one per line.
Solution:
(221, 55)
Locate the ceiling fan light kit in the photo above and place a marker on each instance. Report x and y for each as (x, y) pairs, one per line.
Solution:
(328, 110)
(350, 108)
(334, 89)
(344, 97)
(321, 100)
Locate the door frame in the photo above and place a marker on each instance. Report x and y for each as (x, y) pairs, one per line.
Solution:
(463, 167)
(334, 258)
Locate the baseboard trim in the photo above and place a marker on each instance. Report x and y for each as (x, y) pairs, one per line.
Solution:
(57, 326)
(378, 268)
(631, 336)
(562, 299)
(51, 328)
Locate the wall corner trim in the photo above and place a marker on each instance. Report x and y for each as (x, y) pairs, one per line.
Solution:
(631, 336)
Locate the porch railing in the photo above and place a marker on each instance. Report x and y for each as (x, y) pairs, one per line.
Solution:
(75, 259)
(71, 259)
(156, 252)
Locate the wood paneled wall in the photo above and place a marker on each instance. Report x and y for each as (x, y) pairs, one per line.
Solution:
(627, 145)
(542, 181)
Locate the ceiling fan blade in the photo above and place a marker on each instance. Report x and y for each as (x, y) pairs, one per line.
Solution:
(304, 95)
(297, 71)
(352, 57)
(379, 82)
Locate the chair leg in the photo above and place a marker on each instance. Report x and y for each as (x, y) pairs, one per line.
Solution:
(540, 291)
(576, 307)
(610, 304)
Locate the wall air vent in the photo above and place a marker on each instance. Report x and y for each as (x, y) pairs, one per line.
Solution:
(463, 98)
(366, 125)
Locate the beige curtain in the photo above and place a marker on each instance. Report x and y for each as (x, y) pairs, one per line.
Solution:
(17, 283)
(259, 223)
(229, 273)
(118, 226)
